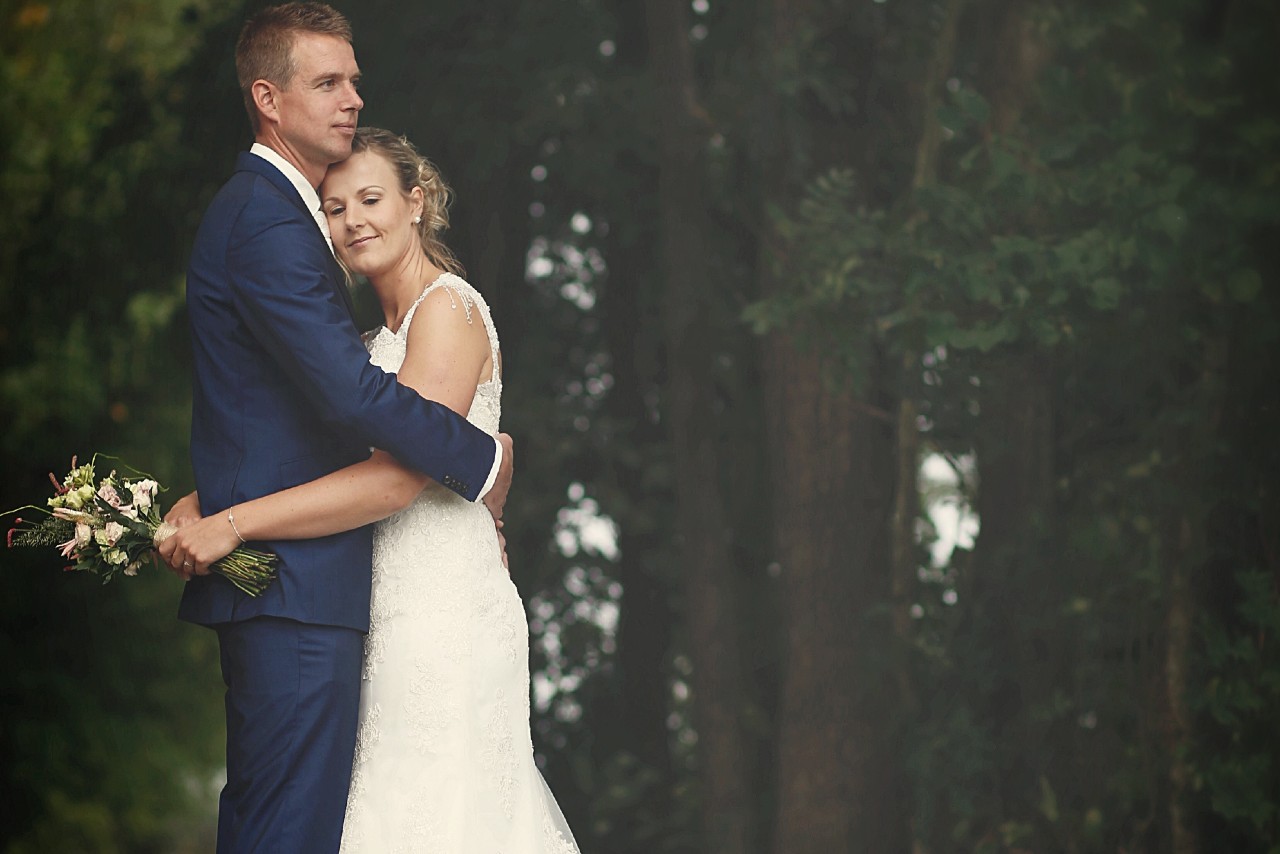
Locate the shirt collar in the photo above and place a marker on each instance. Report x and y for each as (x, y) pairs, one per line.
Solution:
(301, 184)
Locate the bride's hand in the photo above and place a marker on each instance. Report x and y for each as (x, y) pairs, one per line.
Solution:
(192, 548)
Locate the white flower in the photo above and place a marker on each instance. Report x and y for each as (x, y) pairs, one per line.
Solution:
(115, 557)
(143, 492)
(109, 535)
(132, 569)
(83, 534)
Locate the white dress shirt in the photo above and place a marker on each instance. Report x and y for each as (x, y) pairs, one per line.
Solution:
(308, 193)
(312, 200)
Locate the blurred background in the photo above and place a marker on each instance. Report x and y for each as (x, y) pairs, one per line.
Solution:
(896, 435)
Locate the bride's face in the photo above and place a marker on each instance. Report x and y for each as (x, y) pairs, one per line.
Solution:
(370, 217)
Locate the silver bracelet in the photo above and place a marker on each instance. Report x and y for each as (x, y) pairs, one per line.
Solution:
(232, 520)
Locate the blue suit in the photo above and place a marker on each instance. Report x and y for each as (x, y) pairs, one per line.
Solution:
(284, 393)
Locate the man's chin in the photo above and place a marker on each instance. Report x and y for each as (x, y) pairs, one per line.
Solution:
(339, 153)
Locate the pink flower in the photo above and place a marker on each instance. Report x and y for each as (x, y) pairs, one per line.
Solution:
(68, 548)
(108, 494)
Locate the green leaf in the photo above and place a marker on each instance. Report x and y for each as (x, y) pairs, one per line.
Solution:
(1245, 286)
(1105, 293)
(1172, 219)
(1048, 800)
(983, 337)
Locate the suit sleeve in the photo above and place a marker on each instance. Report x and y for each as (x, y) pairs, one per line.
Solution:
(282, 285)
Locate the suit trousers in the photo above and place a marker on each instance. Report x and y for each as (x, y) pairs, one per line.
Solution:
(292, 703)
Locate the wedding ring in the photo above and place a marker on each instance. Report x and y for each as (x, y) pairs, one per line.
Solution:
(187, 563)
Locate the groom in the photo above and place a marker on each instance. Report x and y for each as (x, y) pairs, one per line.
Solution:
(284, 393)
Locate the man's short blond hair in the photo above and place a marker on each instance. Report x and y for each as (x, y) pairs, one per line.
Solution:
(265, 48)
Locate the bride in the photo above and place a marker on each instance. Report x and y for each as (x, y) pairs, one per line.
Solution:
(444, 759)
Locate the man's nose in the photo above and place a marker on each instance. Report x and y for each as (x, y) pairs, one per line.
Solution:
(354, 101)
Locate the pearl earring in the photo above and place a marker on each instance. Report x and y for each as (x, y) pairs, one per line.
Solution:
(417, 219)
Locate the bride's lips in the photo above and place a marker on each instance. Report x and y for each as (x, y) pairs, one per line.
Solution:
(360, 242)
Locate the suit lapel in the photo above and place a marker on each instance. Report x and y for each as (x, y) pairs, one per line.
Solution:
(248, 162)
(339, 279)
(253, 163)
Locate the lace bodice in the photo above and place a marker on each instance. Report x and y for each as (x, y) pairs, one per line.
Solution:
(387, 349)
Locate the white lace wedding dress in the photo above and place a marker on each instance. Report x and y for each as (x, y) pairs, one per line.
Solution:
(444, 761)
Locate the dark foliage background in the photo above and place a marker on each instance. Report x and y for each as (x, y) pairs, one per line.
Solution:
(896, 428)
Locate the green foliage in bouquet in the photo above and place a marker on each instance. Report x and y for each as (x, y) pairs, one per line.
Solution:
(108, 526)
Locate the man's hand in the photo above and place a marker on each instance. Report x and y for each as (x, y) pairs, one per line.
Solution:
(502, 545)
(184, 511)
(496, 498)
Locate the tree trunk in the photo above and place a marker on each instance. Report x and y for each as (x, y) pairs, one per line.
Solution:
(833, 479)
(1185, 533)
(906, 506)
(711, 612)
(832, 460)
(1015, 485)
(1014, 447)
(646, 621)
(906, 511)
(1179, 626)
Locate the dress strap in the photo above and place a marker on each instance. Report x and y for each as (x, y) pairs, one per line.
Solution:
(413, 309)
(460, 289)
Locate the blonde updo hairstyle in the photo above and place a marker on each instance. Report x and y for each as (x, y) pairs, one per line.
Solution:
(414, 170)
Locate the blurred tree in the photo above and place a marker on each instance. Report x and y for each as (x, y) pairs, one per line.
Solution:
(1066, 320)
(754, 265)
(106, 745)
(711, 613)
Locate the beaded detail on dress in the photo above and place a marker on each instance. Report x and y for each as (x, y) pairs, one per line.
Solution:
(387, 348)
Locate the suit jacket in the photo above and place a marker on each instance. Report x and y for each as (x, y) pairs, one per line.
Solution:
(284, 393)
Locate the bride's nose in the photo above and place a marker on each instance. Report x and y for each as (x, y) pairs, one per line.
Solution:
(351, 218)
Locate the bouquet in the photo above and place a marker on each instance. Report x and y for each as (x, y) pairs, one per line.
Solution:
(108, 526)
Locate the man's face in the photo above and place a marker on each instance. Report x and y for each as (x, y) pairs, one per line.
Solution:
(318, 110)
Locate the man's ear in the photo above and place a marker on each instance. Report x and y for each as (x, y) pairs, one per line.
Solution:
(264, 98)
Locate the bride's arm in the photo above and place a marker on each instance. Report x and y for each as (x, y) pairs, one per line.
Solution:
(446, 358)
(443, 361)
